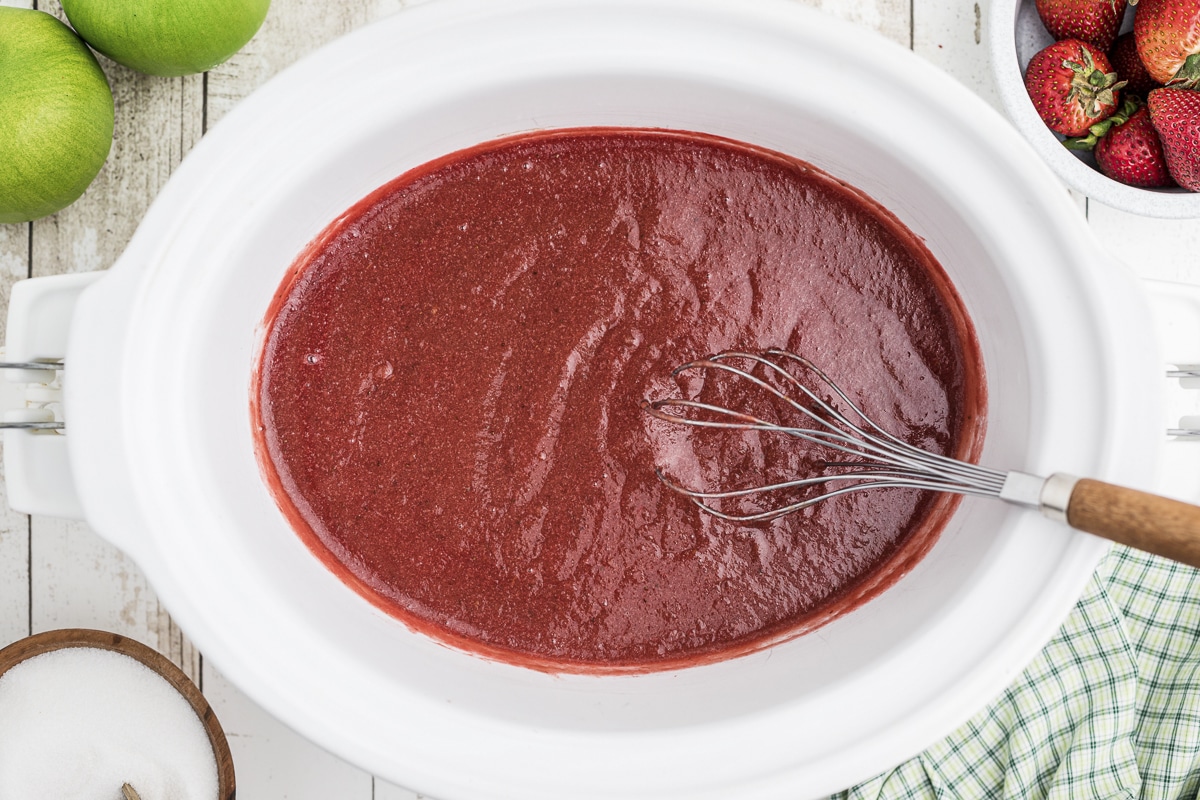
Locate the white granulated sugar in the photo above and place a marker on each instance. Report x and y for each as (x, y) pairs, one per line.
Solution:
(77, 723)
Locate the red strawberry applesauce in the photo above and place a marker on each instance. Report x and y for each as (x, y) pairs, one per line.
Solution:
(447, 400)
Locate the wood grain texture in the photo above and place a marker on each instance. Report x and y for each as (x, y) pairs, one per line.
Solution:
(14, 574)
(892, 18)
(389, 791)
(157, 122)
(952, 36)
(79, 580)
(292, 29)
(272, 761)
(1141, 520)
(76, 578)
(14, 527)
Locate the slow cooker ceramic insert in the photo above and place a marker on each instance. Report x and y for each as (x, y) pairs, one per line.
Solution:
(158, 454)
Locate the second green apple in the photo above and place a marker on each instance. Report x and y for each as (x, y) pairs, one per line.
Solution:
(167, 37)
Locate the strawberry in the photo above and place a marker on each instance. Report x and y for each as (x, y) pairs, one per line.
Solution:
(1131, 152)
(1168, 40)
(1128, 65)
(1176, 116)
(1072, 86)
(1092, 21)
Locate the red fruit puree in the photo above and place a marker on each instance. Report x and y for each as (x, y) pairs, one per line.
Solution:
(448, 397)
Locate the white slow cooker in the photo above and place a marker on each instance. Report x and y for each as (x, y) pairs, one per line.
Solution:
(160, 351)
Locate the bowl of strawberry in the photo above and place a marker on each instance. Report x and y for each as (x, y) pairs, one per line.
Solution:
(1108, 93)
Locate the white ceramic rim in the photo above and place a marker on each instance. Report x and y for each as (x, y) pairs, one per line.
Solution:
(511, 760)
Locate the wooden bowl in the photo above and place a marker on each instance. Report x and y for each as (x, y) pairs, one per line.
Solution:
(50, 641)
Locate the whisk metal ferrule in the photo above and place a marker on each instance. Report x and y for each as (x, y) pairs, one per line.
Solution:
(1023, 489)
(1050, 495)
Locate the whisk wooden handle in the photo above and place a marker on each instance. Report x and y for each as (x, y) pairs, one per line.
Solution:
(1145, 521)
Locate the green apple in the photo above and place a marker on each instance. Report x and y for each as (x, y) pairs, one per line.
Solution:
(167, 37)
(56, 115)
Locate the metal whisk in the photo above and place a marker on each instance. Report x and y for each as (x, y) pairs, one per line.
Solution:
(877, 459)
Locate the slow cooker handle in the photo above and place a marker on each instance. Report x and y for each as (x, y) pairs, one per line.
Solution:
(39, 479)
(80, 471)
(1142, 520)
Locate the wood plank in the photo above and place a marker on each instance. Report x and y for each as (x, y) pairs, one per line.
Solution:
(14, 528)
(892, 18)
(157, 122)
(14, 258)
(951, 36)
(274, 761)
(77, 578)
(292, 29)
(390, 791)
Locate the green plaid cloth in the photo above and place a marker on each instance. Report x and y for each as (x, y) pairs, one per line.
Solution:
(1109, 709)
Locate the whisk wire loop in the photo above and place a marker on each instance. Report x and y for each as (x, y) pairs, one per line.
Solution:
(918, 455)
(884, 460)
(834, 439)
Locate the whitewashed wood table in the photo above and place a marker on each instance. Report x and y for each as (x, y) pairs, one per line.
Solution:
(57, 574)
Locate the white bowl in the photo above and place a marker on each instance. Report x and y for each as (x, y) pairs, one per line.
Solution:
(1016, 34)
(161, 352)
